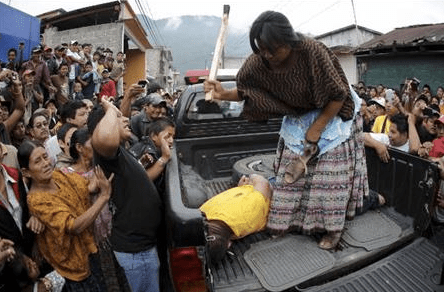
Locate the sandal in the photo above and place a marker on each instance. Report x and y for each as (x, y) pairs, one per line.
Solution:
(330, 240)
(296, 169)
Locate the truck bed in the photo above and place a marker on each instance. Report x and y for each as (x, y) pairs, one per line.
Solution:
(234, 274)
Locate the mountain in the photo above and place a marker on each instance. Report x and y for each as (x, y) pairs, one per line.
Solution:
(192, 40)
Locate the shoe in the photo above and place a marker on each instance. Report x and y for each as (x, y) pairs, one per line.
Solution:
(296, 169)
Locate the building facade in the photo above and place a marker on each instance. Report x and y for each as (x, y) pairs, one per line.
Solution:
(160, 68)
(112, 25)
(343, 41)
(413, 51)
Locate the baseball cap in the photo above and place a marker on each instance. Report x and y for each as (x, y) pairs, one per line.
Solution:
(422, 97)
(36, 49)
(27, 72)
(105, 71)
(47, 48)
(431, 111)
(140, 102)
(155, 99)
(59, 48)
(380, 102)
(74, 42)
(440, 120)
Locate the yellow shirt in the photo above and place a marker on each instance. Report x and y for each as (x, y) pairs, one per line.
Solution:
(242, 208)
(67, 253)
(379, 122)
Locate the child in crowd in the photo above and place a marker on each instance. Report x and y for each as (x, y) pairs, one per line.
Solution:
(77, 92)
(153, 151)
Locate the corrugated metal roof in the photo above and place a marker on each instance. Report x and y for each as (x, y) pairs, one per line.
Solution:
(408, 36)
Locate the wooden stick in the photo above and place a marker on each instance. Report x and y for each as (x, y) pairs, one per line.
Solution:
(218, 50)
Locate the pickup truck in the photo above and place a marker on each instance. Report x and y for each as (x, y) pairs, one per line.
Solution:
(392, 248)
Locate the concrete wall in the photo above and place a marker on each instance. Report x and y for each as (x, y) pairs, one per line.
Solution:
(153, 58)
(392, 70)
(108, 35)
(159, 66)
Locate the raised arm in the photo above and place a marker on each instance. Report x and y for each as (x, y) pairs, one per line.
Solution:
(106, 136)
(129, 97)
(414, 141)
(19, 102)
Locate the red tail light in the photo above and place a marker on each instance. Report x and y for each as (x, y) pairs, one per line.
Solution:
(187, 270)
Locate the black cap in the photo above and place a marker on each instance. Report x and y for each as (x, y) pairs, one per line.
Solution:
(59, 48)
(422, 97)
(155, 99)
(37, 49)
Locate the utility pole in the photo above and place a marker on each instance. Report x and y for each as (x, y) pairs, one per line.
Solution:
(358, 34)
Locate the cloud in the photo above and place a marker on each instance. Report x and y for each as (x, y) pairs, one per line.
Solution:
(173, 23)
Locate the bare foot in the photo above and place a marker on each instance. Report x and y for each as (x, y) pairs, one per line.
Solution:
(381, 200)
(330, 240)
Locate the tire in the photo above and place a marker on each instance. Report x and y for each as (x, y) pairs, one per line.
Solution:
(258, 164)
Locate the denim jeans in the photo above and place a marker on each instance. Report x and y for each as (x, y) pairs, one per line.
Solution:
(141, 269)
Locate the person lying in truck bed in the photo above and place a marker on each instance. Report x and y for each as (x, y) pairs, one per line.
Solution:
(236, 213)
(243, 210)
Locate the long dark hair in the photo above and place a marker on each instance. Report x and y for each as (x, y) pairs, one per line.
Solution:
(80, 136)
(24, 152)
(272, 29)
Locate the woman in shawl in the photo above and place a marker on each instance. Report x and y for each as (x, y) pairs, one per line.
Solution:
(320, 167)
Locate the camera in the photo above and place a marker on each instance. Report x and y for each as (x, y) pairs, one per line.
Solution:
(429, 112)
(7, 80)
(142, 83)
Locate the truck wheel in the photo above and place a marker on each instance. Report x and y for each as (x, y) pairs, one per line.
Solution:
(258, 164)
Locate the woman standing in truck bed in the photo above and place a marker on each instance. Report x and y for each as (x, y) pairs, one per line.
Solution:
(321, 174)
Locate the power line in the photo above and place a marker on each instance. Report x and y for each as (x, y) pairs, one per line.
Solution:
(317, 14)
(154, 22)
(147, 23)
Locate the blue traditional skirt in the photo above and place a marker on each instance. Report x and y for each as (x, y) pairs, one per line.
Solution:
(336, 180)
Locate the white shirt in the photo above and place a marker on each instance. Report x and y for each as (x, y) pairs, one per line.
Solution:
(384, 139)
(13, 206)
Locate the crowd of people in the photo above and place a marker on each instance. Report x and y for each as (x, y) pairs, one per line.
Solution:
(65, 147)
(83, 156)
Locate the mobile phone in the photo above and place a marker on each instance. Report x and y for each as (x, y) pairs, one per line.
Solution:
(142, 83)
(389, 95)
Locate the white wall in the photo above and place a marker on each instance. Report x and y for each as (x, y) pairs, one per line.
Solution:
(348, 63)
(351, 38)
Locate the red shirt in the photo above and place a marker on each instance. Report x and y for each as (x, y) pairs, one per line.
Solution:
(108, 89)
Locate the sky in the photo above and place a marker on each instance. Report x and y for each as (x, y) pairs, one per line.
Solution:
(313, 17)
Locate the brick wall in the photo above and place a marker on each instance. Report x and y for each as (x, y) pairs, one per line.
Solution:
(108, 35)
